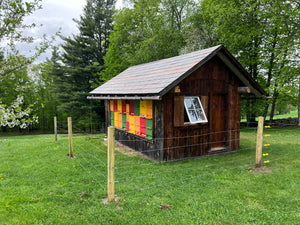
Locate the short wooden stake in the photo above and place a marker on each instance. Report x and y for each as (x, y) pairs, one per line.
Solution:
(259, 142)
(111, 164)
(55, 128)
(70, 137)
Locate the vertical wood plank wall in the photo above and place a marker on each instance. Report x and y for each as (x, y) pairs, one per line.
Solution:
(211, 79)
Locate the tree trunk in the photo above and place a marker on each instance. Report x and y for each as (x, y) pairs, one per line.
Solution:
(275, 96)
(270, 71)
(266, 109)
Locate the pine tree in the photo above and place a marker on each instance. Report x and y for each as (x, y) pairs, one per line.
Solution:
(83, 58)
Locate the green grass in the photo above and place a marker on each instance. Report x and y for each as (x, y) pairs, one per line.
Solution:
(39, 184)
(291, 114)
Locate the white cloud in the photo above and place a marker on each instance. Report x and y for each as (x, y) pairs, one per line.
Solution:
(55, 15)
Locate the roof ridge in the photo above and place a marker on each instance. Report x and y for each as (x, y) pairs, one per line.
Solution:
(173, 57)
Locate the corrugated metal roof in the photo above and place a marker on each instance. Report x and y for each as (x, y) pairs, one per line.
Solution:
(156, 78)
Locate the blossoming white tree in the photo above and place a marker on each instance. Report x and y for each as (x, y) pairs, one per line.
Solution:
(12, 13)
(15, 115)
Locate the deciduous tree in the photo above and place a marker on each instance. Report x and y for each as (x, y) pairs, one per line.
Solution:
(146, 31)
(13, 112)
(263, 35)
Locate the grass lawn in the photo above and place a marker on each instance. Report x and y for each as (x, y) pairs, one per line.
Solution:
(39, 184)
(291, 114)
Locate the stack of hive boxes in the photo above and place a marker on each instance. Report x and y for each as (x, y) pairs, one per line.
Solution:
(134, 116)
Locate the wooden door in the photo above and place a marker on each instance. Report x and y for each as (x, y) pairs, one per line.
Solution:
(218, 121)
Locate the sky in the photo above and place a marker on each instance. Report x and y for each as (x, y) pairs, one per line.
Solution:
(54, 16)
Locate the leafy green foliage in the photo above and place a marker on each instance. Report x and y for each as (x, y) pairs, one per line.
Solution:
(262, 34)
(147, 31)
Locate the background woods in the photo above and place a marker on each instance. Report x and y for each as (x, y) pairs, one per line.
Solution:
(262, 34)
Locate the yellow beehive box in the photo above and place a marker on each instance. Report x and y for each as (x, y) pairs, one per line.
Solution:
(116, 119)
(131, 124)
(120, 106)
(143, 108)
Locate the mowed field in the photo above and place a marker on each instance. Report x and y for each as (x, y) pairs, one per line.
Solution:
(40, 184)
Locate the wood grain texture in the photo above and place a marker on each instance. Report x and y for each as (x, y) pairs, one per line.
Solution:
(178, 111)
(217, 88)
(111, 164)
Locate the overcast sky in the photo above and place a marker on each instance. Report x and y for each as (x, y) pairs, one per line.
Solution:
(54, 15)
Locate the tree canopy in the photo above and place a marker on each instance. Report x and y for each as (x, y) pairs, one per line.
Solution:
(262, 34)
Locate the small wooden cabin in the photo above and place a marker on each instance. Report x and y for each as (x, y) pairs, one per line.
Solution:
(184, 106)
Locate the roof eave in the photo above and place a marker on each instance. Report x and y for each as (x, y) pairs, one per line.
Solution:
(125, 97)
(241, 73)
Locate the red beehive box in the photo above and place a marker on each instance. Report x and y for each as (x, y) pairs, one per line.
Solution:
(115, 105)
(143, 127)
(123, 107)
(131, 107)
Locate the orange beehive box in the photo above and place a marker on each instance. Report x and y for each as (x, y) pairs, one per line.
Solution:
(120, 120)
(149, 109)
(137, 125)
(111, 105)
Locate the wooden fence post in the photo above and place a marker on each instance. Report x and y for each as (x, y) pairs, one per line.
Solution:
(70, 137)
(259, 141)
(111, 164)
(55, 128)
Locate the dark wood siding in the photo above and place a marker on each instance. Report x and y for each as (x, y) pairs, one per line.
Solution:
(217, 86)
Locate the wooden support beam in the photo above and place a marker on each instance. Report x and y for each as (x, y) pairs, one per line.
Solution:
(244, 90)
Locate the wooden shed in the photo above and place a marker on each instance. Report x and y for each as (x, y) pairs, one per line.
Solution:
(184, 106)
